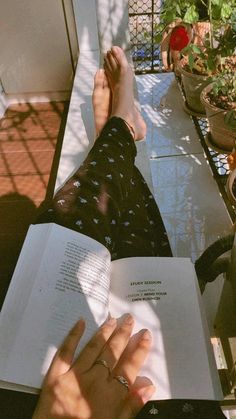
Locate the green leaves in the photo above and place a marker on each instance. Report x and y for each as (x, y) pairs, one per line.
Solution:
(223, 10)
(191, 15)
(226, 11)
(158, 38)
(230, 119)
(197, 61)
(178, 9)
(216, 2)
(211, 63)
(220, 42)
(224, 85)
(196, 49)
(191, 61)
(184, 10)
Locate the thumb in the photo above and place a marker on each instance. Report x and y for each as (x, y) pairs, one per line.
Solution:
(139, 394)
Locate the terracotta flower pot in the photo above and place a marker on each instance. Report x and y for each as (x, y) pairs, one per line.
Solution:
(200, 29)
(195, 34)
(221, 135)
(170, 56)
(231, 187)
(193, 85)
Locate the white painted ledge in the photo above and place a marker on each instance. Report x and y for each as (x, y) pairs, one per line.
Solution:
(100, 24)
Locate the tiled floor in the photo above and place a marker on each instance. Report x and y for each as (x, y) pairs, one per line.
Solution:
(188, 196)
(28, 135)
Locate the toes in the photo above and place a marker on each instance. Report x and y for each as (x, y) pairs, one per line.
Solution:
(105, 81)
(99, 78)
(119, 55)
(107, 66)
(112, 61)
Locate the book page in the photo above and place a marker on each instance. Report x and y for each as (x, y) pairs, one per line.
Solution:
(162, 295)
(20, 286)
(64, 291)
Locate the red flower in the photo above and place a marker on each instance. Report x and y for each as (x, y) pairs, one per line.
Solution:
(179, 38)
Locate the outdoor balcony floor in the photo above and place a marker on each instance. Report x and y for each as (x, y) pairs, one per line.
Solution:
(28, 136)
(188, 196)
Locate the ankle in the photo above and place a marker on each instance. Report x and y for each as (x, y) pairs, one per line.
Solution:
(131, 129)
(128, 125)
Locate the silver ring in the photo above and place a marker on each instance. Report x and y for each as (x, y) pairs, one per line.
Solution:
(103, 363)
(122, 380)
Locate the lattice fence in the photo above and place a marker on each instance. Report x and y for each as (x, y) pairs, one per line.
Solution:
(144, 14)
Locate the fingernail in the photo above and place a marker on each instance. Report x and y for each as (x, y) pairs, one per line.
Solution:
(146, 393)
(111, 321)
(128, 319)
(79, 323)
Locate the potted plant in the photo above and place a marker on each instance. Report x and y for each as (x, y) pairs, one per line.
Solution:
(219, 100)
(231, 187)
(203, 52)
(182, 21)
(202, 63)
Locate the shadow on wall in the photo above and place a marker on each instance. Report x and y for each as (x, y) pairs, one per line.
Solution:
(17, 212)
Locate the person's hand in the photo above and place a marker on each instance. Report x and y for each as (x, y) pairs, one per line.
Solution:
(102, 382)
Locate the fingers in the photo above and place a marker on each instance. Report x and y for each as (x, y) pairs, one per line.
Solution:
(134, 356)
(142, 390)
(139, 394)
(65, 354)
(93, 348)
(115, 346)
(123, 355)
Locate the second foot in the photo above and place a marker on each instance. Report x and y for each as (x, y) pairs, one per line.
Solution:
(121, 78)
(101, 99)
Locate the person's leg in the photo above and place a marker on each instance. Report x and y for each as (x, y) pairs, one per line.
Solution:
(91, 201)
(107, 198)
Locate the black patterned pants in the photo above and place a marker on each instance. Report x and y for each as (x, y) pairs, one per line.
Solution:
(108, 199)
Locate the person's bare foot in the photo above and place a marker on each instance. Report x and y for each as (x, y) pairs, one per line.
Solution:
(121, 78)
(101, 99)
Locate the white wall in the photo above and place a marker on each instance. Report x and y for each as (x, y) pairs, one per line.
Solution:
(34, 50)
(3, 104)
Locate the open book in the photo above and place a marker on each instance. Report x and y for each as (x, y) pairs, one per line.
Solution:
(62, 275)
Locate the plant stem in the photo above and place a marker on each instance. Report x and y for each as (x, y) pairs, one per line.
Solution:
(211, 23)
(204, 4)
